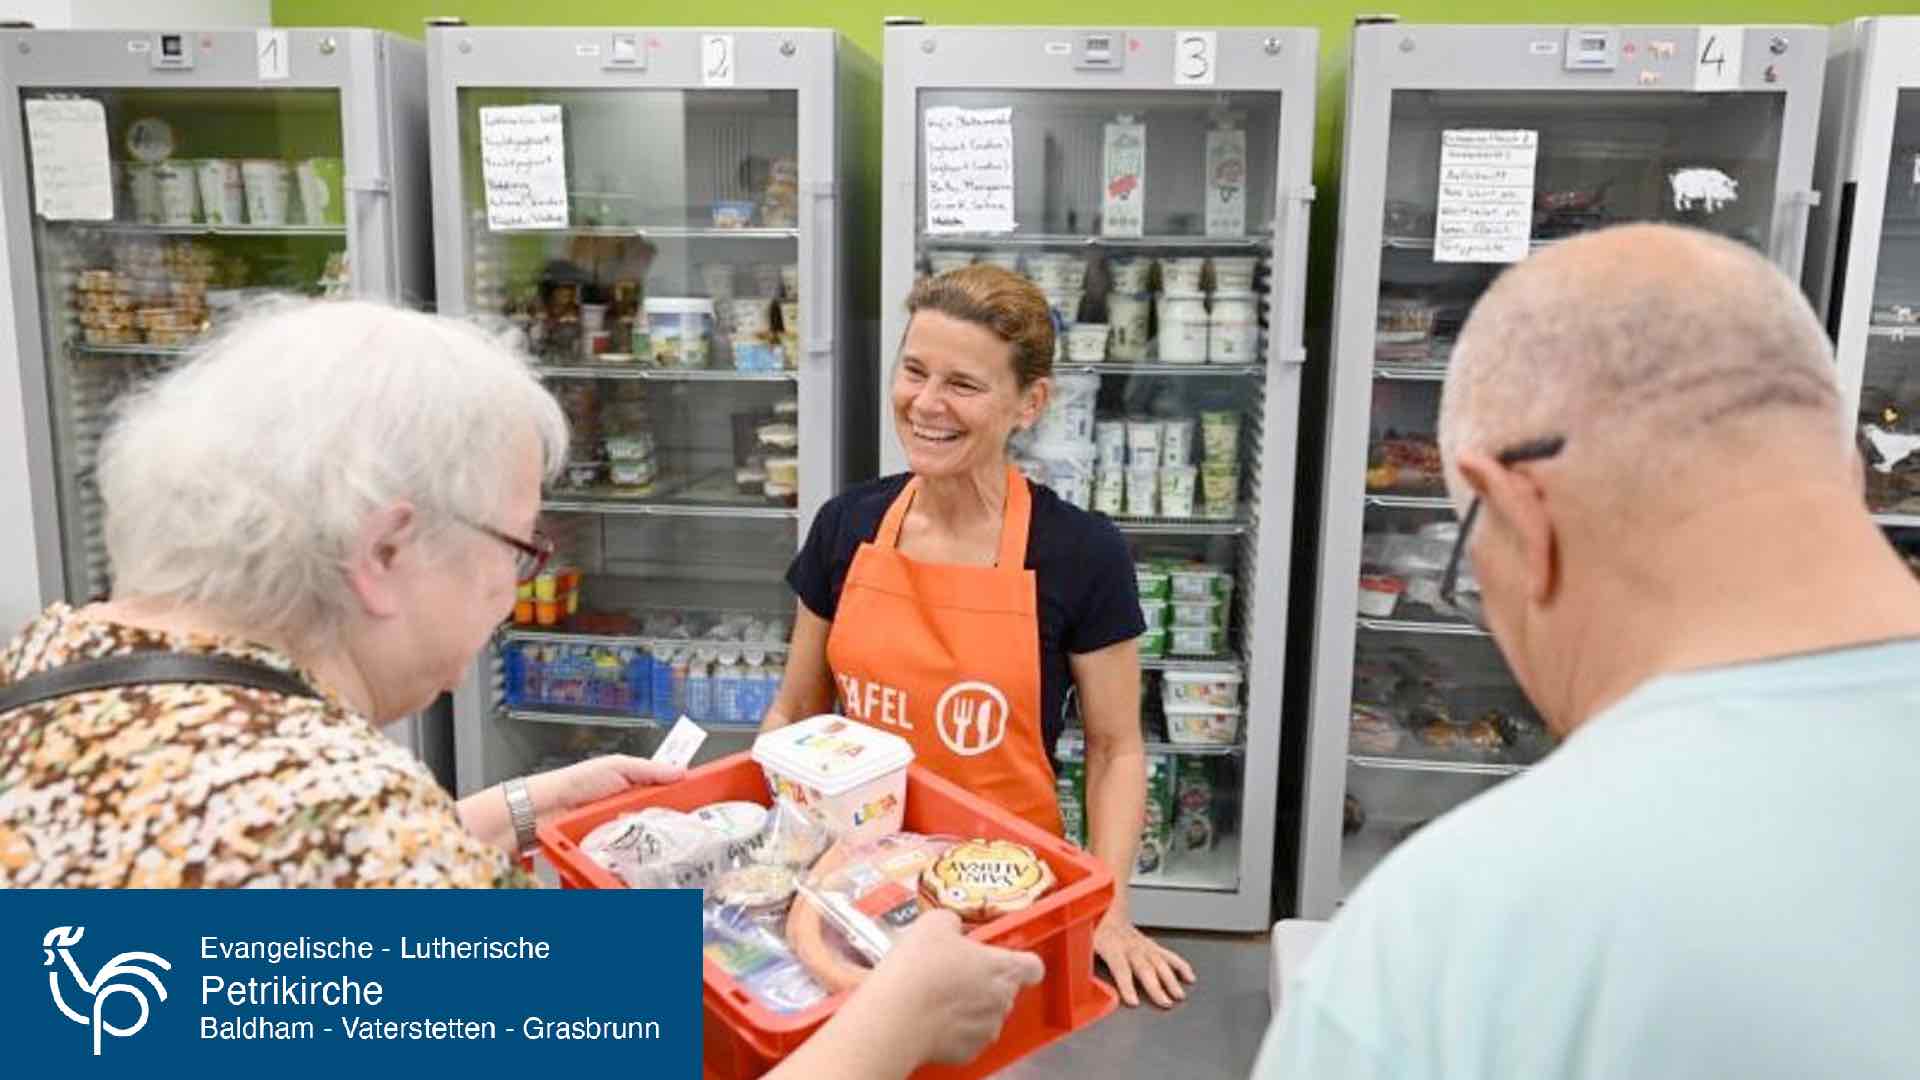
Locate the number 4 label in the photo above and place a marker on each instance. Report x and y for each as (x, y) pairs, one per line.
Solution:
(716, 59)
(1716, 58)
(270, 49)
(1195, 56)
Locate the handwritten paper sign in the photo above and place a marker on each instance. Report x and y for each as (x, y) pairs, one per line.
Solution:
(523, 161)
(1485, 206)
(72, 174)
(969, 170)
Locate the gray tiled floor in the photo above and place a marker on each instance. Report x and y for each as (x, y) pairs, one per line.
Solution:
(1214, 1035)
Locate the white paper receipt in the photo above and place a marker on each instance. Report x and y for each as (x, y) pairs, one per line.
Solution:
(523, 161)
(72, 172)
(678, 748)
(969, 170)
(1484, 212)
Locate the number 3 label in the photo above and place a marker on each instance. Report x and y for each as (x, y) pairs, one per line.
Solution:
(1716, 58)
(716, 59)
(1194, 57)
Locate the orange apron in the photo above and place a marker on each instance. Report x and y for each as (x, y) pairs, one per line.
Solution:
(948, 658)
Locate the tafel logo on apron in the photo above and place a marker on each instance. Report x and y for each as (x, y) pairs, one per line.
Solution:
(963, 639)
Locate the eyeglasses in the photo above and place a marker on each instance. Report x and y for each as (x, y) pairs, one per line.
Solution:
(1532, 450)
(530, 556)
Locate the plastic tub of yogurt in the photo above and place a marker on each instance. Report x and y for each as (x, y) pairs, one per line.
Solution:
(680, 331)
(849, 775)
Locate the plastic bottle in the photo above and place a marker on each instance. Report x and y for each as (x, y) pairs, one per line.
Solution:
(662, 703)
(700, 687)
(753, 689)
(640, 681)
(682, 669)
(726, 689)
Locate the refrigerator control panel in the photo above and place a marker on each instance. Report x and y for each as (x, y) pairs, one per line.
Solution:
(1592, 50)
(1100, 50)
(172, 51)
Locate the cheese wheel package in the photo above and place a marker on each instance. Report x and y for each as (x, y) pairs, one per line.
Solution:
(981, 880)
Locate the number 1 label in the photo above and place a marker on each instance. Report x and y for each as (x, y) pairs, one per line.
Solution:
(1195, 56)
(716, 59)
(1716, 58)
(270, 49)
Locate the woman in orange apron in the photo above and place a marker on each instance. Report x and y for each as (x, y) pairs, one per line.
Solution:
(957, 605)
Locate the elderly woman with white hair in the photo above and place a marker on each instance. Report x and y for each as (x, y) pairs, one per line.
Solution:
(314, 526)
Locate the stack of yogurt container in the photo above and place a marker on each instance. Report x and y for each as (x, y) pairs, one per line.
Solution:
(1198, 327)
(1060, 451)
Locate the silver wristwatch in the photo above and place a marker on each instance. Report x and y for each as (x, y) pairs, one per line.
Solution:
(520, 812)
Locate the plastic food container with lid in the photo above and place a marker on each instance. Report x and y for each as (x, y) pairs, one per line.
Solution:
(1194, 640)
(1155, 613)
(1194, 584)
(1181, 688)
(1379, 594)
(1183, 275)
(1233, 273)
(1203, 725)
(848, 774)
(1188, 613)
(1153, 584)
(1234, 329)
(680, 331)
(1184, 328)
(1153, 643)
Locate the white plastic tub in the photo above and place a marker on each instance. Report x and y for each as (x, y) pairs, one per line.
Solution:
(1203, 725)
(1184, 329)
(1182, 688)
(850, 775)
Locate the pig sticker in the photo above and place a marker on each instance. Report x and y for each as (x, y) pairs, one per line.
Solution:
(1710, 189)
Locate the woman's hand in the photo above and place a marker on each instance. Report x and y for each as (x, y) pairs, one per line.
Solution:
(560, 790)
(1134, 957)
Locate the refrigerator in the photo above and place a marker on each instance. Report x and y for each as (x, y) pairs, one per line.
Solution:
(307, 147)
(1156, 183)
(1466, 148)
(658, 216)
(1864, 273)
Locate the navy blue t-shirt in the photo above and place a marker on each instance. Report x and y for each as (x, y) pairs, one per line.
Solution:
(1088, 596)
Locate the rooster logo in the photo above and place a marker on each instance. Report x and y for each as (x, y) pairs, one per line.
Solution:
(102, 986)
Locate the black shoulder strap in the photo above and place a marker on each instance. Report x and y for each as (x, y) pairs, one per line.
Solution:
(145, 669)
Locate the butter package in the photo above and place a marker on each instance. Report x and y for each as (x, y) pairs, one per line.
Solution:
(849, 776)
(1126, 178)
(1226, 182)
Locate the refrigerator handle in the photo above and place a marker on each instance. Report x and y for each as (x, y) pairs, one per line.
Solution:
(1799, 221)
(819, 303)
(1292, 228)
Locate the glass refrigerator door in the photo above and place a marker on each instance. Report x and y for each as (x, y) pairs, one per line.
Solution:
(1435, 716)
(1146, 218)
(220, 198)
(662, 305)
(1890, 387)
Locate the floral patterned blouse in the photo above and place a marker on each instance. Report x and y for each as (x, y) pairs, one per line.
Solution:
(200, 785)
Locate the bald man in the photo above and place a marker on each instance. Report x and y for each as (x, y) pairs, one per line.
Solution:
(1712, 876)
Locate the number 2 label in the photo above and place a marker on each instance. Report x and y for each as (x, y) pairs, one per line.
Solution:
(716, 59)
(1716, 61)
(1195, 56)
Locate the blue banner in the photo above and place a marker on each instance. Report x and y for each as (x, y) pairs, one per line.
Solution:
(336, 983)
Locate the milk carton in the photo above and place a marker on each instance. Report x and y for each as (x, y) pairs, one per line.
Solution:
(850, 776)
(1126, 172)
(1226, 182)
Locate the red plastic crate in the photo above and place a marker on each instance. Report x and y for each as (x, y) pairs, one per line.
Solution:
(743, 1039)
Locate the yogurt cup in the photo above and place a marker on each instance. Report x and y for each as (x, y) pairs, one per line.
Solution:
(679, 331)
(1220, 436)
(850, 776)
(1065, 304)
(179, 192)
(1153, 643)
(1194, 641)
(1143, 490)
(1130, 275)
(1176, 441)
(751, 317)
(1380, 594)
(1152, 584)
(1183, 275)
(1219, 491)
(1177, 490)
(783, 470)
(269, 184)
(1087, 343)
(1187, 613)
(1234, 273)
(1193, 584)
(1184, 328)
(1111, 437)
(1129, 316)
(1110, 492)
(1048, 271)
(1233, 329)
(1155, 613)
(1143, 444)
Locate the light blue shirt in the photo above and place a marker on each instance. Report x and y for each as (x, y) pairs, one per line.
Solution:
(1716, 877)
